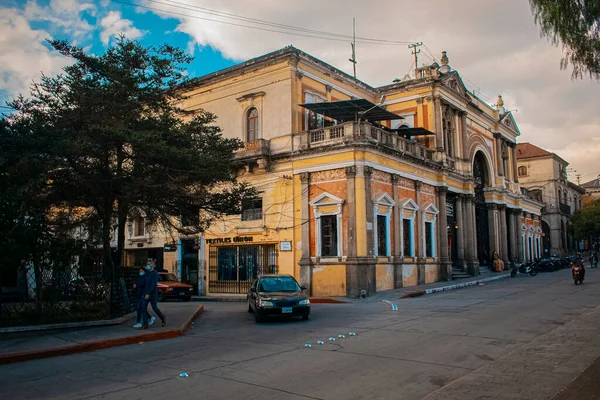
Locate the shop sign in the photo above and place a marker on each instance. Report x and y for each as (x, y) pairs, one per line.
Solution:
(285, 246)
(450, 209)
(170, 247)
(236, 239)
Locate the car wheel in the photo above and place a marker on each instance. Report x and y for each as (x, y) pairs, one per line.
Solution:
(258, 318)
(305, 317)
(161, 296)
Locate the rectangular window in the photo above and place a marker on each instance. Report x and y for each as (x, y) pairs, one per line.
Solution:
(313, 120)
(429, 243)
(139, 227)
(407, 238)
(329, 236)
(382, 236)
(252, 210)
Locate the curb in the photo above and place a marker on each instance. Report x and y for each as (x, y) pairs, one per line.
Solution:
(314, 300)
(100, 344)
(453, 287)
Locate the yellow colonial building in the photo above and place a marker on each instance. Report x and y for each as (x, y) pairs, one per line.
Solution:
(362, 188)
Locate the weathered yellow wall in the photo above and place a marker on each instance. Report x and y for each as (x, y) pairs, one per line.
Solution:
(384, 276)
(409, 275)
(329, 280)
(431, 273)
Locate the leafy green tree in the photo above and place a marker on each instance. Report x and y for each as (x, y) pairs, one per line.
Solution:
(586, 222)
(112, 137)
(576, 25)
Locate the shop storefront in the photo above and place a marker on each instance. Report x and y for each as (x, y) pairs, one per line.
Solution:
(232, 268)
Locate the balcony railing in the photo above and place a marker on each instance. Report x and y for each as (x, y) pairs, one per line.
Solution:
(353, 132)
(565, 208)
(256, 149)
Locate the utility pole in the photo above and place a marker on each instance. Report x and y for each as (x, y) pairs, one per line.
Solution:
(578, 176)
(415, 52)
(353, 44)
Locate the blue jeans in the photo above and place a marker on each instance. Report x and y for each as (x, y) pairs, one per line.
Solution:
(140, 309)
(153, 301)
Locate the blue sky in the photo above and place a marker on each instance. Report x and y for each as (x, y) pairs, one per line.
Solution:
(493, 57)
(155, 30)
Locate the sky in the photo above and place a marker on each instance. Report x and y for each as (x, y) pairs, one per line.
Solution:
(493, 44)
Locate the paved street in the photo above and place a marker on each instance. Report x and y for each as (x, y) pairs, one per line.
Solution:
(522, 338)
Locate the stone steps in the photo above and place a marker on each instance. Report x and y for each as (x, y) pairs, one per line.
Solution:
(458, 273)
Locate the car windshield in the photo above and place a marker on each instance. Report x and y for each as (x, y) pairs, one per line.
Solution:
(168, 278)
(283, 284)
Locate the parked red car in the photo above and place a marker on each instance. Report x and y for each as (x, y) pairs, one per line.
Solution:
(169, 287)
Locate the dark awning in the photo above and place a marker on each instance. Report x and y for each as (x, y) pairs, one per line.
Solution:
(348, 110)
(410, 132)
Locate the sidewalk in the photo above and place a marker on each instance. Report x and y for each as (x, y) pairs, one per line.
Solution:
(436, 287)
(24, 346)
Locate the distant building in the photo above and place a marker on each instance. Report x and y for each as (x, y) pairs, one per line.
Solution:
(592, 190)
(544, 174)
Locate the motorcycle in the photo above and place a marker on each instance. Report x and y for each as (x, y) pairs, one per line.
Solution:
(524, 268)
(578, 274)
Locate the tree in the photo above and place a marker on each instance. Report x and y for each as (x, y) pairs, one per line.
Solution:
(586, 222)
(576, 25)
(113, 138)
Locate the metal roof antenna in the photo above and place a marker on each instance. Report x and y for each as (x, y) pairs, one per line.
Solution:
(353, 44)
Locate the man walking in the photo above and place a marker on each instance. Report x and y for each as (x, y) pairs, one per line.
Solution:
(151, 296)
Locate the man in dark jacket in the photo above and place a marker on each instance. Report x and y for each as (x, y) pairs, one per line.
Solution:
(139, 286)
(151, 296)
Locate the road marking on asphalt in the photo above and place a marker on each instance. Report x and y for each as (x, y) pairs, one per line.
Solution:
(394, 306)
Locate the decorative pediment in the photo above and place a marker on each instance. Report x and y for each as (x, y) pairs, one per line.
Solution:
(508, 120)
(385, 200)
(326, 199)
(431, 209)
(453, 81)
(408, 204)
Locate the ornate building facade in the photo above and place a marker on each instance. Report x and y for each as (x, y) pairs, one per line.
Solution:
(352, 206)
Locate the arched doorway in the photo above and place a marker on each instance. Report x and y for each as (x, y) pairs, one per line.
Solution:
(547, 244)
(481, 174)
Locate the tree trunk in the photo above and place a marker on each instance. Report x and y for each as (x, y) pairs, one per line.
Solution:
(122, 221)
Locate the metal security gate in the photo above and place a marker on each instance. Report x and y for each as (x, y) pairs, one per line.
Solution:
(232, 269)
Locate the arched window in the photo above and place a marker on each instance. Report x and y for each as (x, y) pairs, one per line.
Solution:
(522, 170)
(252, 125)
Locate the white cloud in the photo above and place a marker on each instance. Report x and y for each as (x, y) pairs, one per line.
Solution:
(492, 43)
(23, 55)
(63, 14)
(113, 25)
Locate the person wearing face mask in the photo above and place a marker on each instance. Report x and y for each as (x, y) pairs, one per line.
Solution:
(151, 296)
(139, 286)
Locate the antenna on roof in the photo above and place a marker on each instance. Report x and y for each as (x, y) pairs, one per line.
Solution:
(353, 44)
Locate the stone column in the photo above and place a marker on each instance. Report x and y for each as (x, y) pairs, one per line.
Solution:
(517, 218)
(512, 238)
(503, 234)
(369, 212)
(499, 154)
(445, 265)
(493, 230)
(351, 202)
(396, 226)
(420, 242)
(463, 131)
(513, 147)
(460, 232)
(305, 261)
(471, 229)
(439, 131)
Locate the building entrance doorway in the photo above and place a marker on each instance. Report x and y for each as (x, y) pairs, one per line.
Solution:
(232, 269)
(482, 180)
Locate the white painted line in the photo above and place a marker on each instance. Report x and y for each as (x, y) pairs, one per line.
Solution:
(394, 306)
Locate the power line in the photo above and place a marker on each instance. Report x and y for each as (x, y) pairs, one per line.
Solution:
(338, 37)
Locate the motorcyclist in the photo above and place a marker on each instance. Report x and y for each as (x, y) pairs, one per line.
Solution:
(578, 262)
(594, 257)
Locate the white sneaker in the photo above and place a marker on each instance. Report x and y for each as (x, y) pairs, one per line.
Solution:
(151, 320)
(138, 325)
